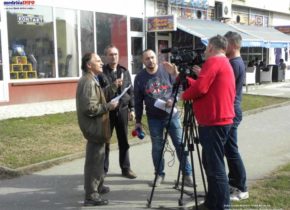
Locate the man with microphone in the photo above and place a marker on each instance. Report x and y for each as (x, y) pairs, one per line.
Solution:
(124, 112)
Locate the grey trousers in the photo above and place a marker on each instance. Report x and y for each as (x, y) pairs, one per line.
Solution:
(94, 169)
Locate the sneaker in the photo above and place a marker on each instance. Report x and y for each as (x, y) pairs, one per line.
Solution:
(159, 181)
(96, 202)
(236, 194)
(129, 174)
(188, 181)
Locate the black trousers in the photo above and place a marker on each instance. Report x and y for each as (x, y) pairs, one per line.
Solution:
(119, 122)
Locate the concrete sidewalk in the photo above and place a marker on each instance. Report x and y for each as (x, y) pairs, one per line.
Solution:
(276, 89)
(264, 140)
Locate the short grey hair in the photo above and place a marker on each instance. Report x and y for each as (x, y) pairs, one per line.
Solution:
(218, 42)
(234, 38)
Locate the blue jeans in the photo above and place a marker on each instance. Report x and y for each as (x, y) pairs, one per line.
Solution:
(156, 128)
(237, 172)
(212, 140)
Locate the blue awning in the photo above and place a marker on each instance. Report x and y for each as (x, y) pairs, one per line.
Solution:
(206, 29)
(271, 37)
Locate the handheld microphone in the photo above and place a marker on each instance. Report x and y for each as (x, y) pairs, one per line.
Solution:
(139, 133)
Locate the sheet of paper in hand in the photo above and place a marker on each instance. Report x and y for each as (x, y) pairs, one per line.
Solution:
(160, 104)
(117, 98)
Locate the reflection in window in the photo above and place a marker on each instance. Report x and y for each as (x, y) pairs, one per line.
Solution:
(66, 29)
(136, 24)
(112, 29)
(87, 32)
(31, 44)
(136, 50)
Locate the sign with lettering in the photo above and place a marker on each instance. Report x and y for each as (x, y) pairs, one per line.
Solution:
(27, 19)
(161, 23)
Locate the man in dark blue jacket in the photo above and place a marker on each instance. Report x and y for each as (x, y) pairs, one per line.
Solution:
(237, 172)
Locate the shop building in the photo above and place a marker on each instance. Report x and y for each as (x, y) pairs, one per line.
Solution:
(42, 42)
(199, 20)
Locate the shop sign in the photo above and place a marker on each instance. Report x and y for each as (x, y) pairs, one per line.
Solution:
(161, 23)
(256, 20)
(191, 3)
(27, 19)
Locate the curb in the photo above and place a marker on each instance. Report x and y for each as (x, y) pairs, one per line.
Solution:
(254, 111)
(8, 173)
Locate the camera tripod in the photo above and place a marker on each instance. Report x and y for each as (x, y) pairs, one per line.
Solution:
(189, 138)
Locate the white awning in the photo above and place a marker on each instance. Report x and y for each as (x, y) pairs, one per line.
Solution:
(206, 29)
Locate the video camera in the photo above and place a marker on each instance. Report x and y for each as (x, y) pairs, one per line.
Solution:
(185, 58)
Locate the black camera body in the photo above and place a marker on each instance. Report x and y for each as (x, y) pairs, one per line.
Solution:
(185, 58)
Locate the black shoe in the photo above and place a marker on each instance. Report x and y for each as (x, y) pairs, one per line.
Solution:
(129, 174)
(104, 190)
(96, 202)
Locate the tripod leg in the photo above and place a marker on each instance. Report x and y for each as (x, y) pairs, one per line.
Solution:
(158, 148)
(156, 175)
(196, 140)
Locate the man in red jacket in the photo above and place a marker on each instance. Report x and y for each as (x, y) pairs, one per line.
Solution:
(213, 94)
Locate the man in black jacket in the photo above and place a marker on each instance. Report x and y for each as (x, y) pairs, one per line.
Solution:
(123, 113)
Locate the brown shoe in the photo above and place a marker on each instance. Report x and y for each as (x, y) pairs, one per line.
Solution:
(129, 174)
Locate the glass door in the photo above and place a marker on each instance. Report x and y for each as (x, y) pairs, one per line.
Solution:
(163, 42)
(136, 52)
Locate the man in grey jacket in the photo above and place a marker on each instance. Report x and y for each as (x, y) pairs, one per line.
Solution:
(93, 119)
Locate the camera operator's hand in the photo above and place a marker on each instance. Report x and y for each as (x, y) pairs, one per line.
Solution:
(170, 68)
(196, 69)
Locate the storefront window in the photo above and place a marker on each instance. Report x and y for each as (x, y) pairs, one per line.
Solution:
(67, 42)
(251, 54)
(136, 24)
(1, 67)
(112, 29)
(31, 44)
(87, 32)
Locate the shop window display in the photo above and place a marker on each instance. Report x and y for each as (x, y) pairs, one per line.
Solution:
(31, 44)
